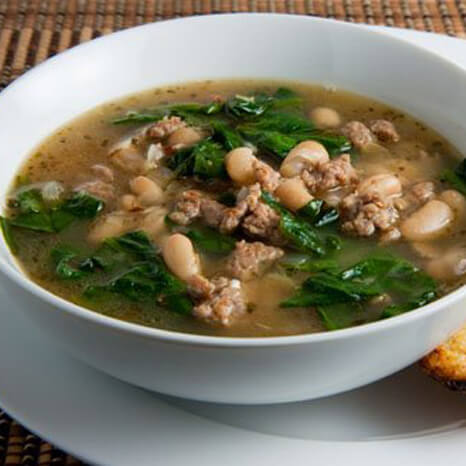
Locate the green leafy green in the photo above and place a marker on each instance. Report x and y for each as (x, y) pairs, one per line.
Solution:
(285, 97)
(226, 135)
(204, 238)
(335, 144)
(211, 108)
(278, 132)
(319, 214)
(307, 263)
(242, 106)
(342, 315)
(312, 209)
(62, 257)
(31, 211)
(299, 232)
(326, 288)
(209, 160)
(332, 291)
(256, 105)
(83, 205)
(205, 159)
(287, 123)
(211, 241)
(8, 235)
(457, 177)
(272, 142)
(139, 273)
(40, 221)
(397, 309)
(187, 111)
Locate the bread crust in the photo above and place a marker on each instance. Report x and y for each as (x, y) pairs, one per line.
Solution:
(447, 363)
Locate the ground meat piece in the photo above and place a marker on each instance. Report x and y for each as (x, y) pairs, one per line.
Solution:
(363, 215)
(358, 133)
(192, 205)
(212, 212)
(263, 222)
(187, 207)
(250, 260)
(232, 217)
(246, 201)
(266, 176)
(97, 188)
(384, 130)
(164, 128)
(221, 302)
(330, 175)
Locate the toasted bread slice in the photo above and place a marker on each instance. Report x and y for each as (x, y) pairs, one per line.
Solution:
(447, 363)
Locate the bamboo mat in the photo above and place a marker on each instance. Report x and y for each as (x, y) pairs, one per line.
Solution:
(33, 30)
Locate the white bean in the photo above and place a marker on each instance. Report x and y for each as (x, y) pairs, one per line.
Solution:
(449, 266)
(456, 201)
(154, 224)
(385, 185)
(293, 193)
(427, 250)
(184, 137)
(429, 222)
(111, 225)
(129, 202)
(129, 160)
(147, 190)
(325, 117)
(179, 255)
(239, 164)
(305, 154)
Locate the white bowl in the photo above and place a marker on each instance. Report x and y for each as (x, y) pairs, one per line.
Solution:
(256, 370)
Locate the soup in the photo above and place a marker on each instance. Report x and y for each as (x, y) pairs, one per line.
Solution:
(243, 209)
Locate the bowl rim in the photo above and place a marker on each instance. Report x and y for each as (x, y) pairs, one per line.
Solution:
(180, 338)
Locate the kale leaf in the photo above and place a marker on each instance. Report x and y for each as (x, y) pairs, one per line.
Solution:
(63, 256)
(271, 142)
(8, 234)
(333, 292)
(205, 160)
(299, 232)
(307, 263)
(226, 135)
(457, 177)
(241, 106)
(211, 241)
(32, 212)
(278, 132)
(209, 160)
(188, 111)
(139, 273)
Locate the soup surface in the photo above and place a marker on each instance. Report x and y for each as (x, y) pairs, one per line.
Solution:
(242, 208)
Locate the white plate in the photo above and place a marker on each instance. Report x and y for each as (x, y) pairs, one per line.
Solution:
(404, 419)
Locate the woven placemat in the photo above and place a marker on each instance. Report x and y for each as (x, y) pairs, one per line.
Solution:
(33, 30)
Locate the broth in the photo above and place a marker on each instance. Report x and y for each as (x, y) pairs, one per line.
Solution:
(67, 157)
